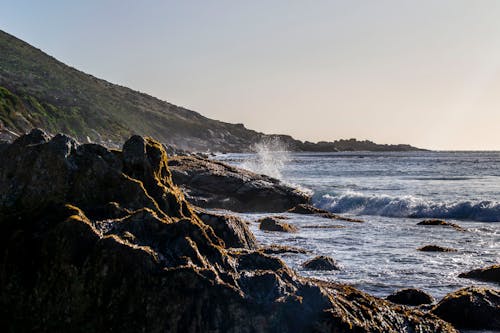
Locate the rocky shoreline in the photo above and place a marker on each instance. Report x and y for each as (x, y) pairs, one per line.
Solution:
(95, 239)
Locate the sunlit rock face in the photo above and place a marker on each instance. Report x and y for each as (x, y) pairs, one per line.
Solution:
(97, 240)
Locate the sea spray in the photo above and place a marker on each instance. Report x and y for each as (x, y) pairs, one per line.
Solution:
(271, 156)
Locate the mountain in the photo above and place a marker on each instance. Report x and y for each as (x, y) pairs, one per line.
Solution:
(37, 90)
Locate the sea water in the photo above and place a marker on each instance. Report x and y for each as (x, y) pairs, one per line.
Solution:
(391, 192)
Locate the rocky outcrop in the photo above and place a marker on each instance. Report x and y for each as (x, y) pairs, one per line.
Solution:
(212, 184)
(410, 296)
(280, 249)
(97, 240)
(321, 263)
(490, 274)
(436, 222)
(471, 308)
(275, 224)
(435, 248)
(307, 209)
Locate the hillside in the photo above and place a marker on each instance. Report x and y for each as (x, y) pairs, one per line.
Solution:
(36, 90)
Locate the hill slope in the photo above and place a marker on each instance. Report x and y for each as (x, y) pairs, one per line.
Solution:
(37, 90)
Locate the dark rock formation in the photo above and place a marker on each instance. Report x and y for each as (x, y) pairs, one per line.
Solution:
(435, 248)
(437, 222)
(471, 308)
(491, 274)
(231, 229)
(273, 224)
(307, 209)
(410, 296)
(212, 184)
(96, 240)
(321, 263)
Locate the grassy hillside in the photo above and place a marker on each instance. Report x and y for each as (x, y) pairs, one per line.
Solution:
(37, 90)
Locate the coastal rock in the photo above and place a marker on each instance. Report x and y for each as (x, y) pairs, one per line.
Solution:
(307, 209)
(490, 273)
(435, 248)
(471, 308)
(212, 184)
(95, 240)
(321, 263)
(231, 229)
(436, 222)
(410, 296)
(274, 224)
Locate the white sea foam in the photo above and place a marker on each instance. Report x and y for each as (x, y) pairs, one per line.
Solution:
(271, 156)
(409, 206)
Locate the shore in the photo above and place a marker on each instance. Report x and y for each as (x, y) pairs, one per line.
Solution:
(96, 238)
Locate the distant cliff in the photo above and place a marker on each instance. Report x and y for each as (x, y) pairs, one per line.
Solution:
(37, 90)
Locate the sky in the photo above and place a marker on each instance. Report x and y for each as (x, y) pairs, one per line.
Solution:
(422, 72)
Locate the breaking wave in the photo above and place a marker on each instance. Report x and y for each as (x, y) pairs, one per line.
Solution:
(409, 206)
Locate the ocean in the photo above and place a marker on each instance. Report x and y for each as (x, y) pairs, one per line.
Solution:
(391, 192)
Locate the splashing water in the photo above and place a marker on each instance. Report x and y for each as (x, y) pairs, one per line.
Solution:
(271, 156)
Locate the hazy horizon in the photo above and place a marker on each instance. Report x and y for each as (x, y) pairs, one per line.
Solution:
(424, 73)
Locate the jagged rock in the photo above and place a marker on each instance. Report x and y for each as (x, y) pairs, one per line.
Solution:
(99, 240)
(437, 222)
(274, 224)
(231, 229)
(307, 209)
(471, 308)
(212, 184)
(435, 248)
(321, 263)
(490, 273)
(410, 296)
(280, 249)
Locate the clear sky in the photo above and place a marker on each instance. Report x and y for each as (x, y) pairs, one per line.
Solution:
(423, 72)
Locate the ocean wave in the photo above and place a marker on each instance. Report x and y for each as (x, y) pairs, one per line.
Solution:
(409, 206)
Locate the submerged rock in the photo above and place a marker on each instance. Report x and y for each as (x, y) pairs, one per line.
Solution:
(435, 248)
(321, 263)
(471, 308)
(434, 222)
(98, 240)
(307, 209)
(491, 274)
(410, 296)
(274, 224)
(280, 249)
(213, 184)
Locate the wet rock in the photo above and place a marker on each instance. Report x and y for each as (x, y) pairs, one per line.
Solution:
(490, 274)
(321, 263)
(280, 249)
(212, 184)
(436, 222)
(274, 224)
(410, 296)
(435, 248)
(231, 229)
(471, 308)
(96, 240)
(307, 209)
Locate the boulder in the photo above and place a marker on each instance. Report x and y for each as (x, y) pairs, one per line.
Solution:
(307, 209)
(435, 248)
(280, 249)
(436, 222)
(231, 229)
(97, 240)
(471, 308)
(321, 263)
(212, 184)
(410, 296)
(274, 224)
(490, 274)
